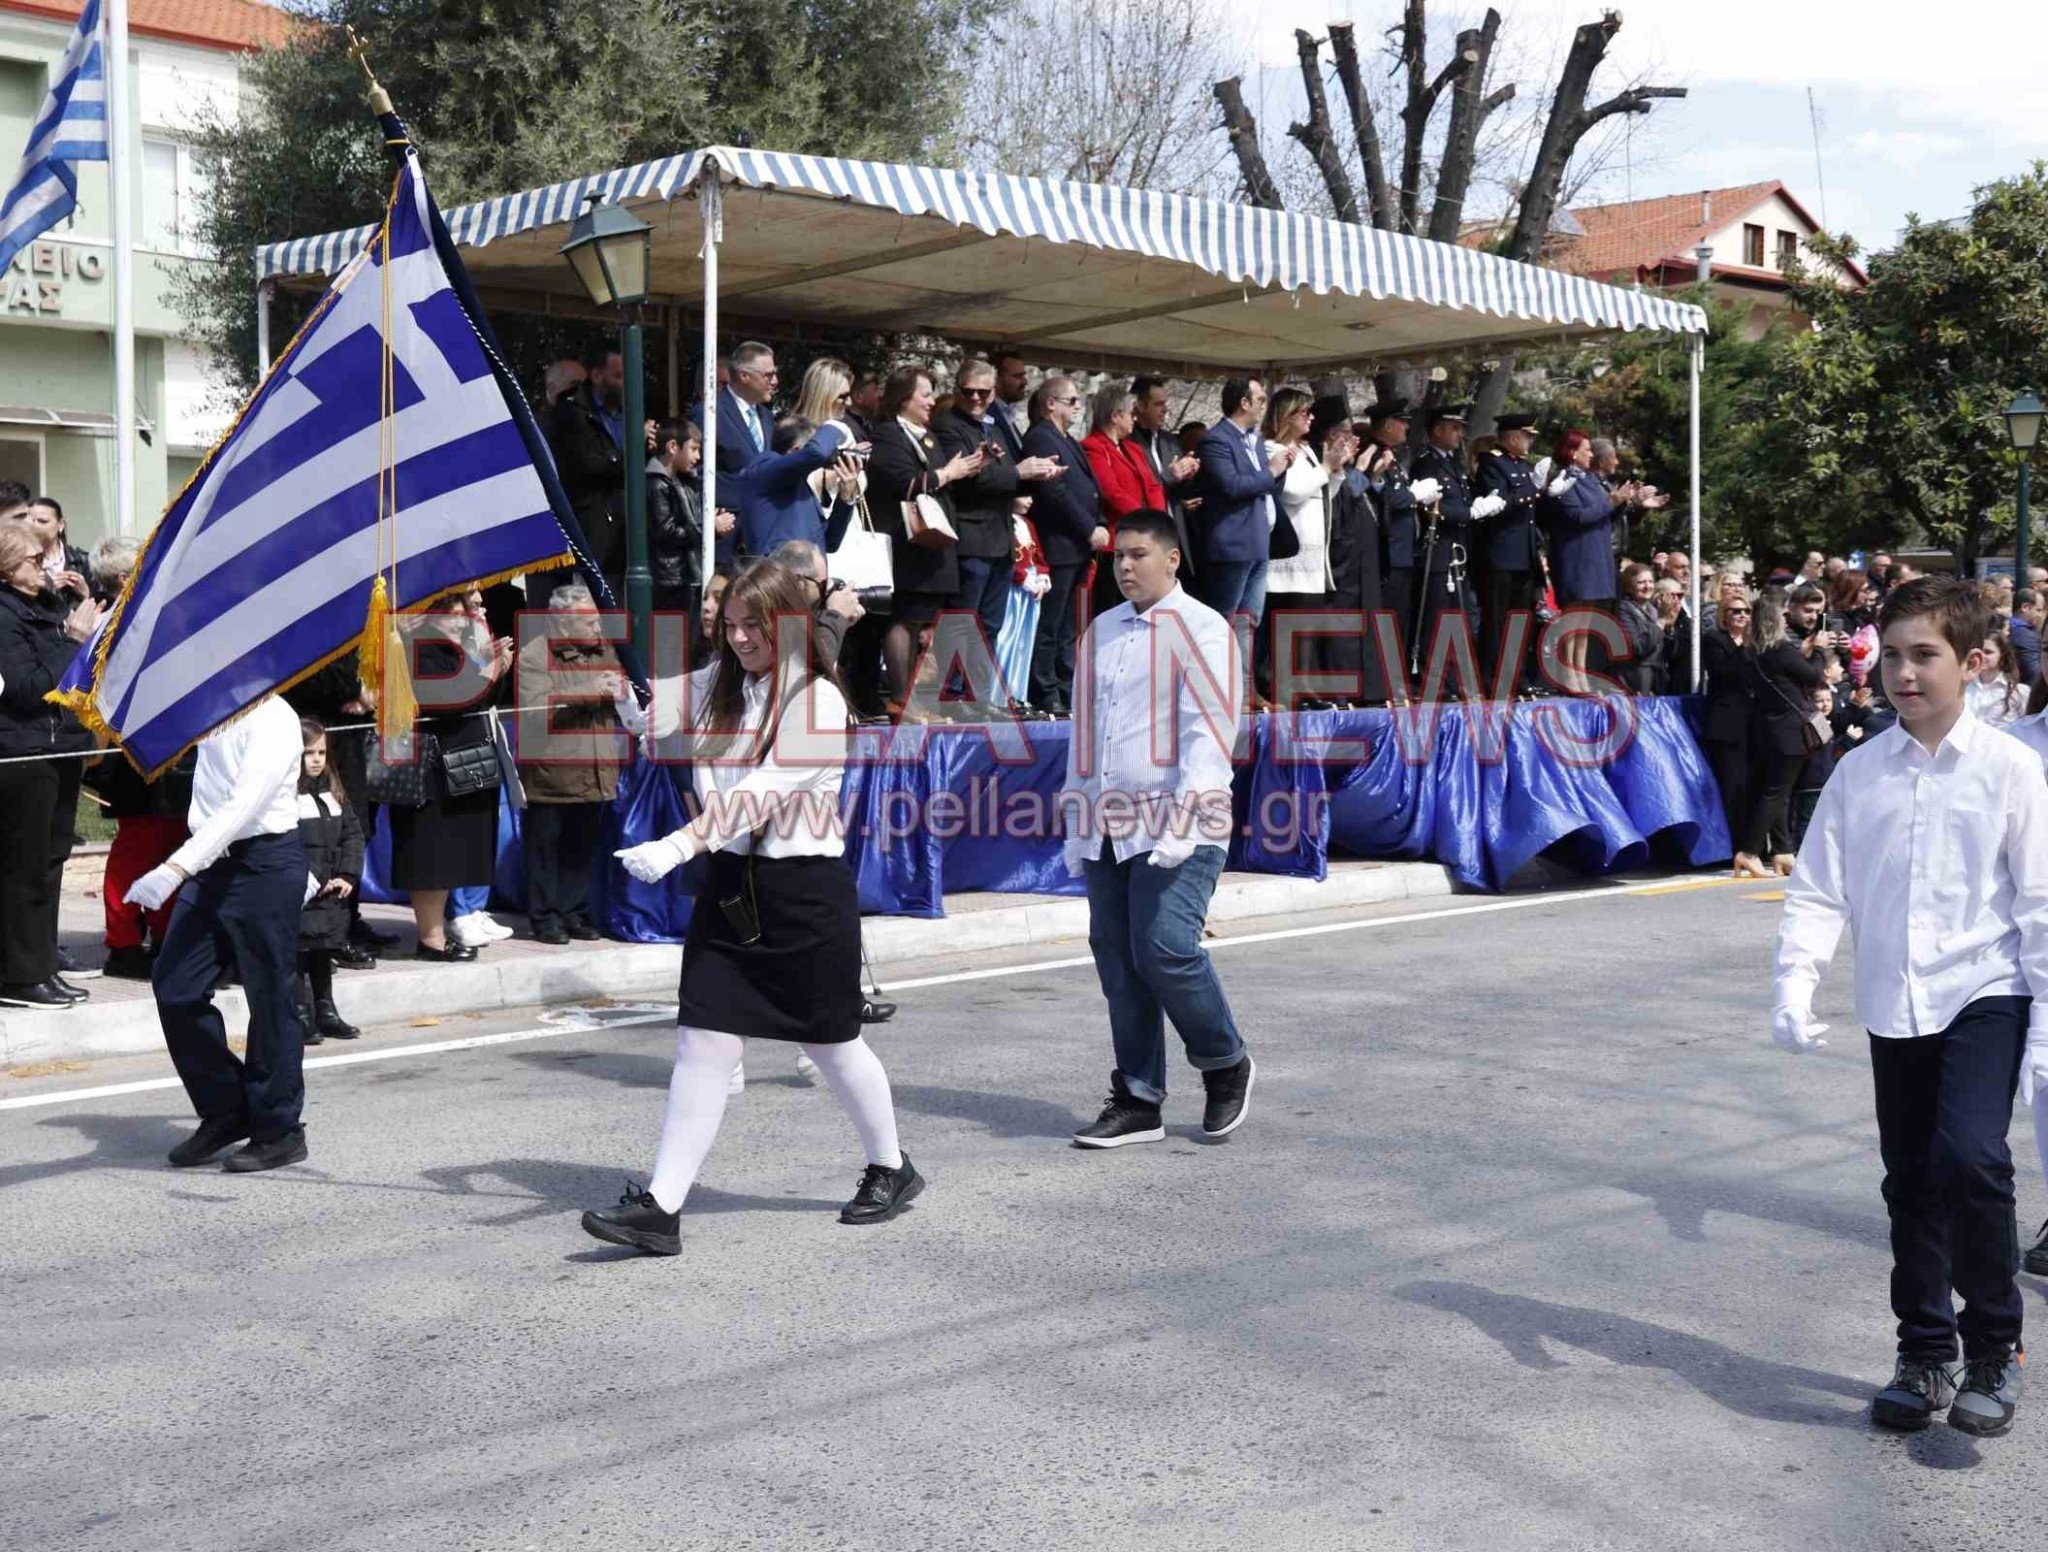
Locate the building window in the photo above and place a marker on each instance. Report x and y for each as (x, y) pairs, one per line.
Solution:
(1753, 246)
(21, 458)
(170, 186)
(1788, 249)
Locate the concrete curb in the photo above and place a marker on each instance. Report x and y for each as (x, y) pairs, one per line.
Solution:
(402, 989)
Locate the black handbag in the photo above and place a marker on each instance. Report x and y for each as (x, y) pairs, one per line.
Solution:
(409, 783)
(470, 768)
(1283, 543)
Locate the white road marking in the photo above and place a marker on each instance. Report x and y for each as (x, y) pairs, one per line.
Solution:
(571, 1021)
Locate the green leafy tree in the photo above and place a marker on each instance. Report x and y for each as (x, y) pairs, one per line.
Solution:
(1899, 388)
(506, 96)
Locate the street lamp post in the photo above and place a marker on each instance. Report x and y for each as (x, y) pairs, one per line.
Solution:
(610, 249)
(2023, 429)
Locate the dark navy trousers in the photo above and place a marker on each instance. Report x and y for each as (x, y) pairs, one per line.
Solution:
(242, 911)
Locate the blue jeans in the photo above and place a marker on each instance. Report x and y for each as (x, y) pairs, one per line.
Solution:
(1145, 931)
(984, 588)
(1232, 588)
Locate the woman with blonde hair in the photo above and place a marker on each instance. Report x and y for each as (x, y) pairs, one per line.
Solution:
(773, 949)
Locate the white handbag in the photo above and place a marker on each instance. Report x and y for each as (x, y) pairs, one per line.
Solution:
(925, 523)
(865, 560)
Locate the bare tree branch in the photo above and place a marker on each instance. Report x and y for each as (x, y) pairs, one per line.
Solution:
(1344, 47)
(1461, 140)
(1243, 130)
(1422, 100)
(1315, 134)
(1635, 100)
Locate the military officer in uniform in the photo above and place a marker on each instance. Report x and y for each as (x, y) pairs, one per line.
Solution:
(1379, 461)
(1446, 565)
(1507, 496)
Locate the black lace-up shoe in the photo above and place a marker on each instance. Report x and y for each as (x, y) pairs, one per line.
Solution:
(1990, 1394)
(1920, 1387)
(1230, 1094)
(212, 1136)
(639, 1222)
(882, 1193)
(275, 1154)
(1124, 1119)
(2036, 1258)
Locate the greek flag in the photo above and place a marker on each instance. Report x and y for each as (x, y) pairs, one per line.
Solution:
(71, 128)
(387, 444)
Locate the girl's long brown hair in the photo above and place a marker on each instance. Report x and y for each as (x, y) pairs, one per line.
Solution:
(772, 593)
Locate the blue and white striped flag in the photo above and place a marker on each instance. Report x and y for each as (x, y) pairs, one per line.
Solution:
(71, 128)
(263, 567)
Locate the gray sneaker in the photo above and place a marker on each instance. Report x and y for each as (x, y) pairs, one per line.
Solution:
(1920, 1387)
(1990, 1394)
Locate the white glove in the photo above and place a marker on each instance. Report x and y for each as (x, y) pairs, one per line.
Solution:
(2034, 1068)
(154, 887)
(1170, 851)
(1560, 485)
(652, 861)
(312, 889)
(1542, 468)
(1037, 583)
(1426, 491)
(1795, 1030)
(1489, 504)
(1076, 852)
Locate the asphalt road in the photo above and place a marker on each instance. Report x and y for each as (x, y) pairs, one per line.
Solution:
(1532, 1240)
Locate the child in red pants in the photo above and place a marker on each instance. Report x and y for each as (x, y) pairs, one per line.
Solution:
(149, 825)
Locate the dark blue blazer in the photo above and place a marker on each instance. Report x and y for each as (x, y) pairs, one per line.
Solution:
(1006, 430)
(1513, 541)
(735, 448)
(1581, 524)
(772, 495)
(1067, 510)
(1230, 525)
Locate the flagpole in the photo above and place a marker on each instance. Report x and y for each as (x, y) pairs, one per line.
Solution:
(121, 193)
(709, 199)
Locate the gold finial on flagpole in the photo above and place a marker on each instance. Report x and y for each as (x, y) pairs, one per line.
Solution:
(380, 100)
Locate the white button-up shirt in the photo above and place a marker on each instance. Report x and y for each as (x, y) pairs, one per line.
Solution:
(245, 783)
(794, 790)
(1149, 763)
(1938, 863)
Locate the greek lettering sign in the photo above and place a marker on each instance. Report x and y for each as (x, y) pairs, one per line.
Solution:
(35, 282)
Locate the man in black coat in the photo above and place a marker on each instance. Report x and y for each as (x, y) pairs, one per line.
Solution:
(1386, 481)
(1514, 548)
(1445, 566)
(585, 437)
(1067, 512)
(1174, 469)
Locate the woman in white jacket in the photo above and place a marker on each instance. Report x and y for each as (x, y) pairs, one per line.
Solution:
(1301, 581)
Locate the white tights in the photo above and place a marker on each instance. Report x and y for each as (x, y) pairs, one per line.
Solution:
(705, 1060)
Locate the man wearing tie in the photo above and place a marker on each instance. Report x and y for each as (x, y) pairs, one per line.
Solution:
(1238, 484)
(745, 427)
(1174, 469)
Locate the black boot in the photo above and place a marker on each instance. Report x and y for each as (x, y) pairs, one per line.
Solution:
(639, 1222)
(302, 1000)
(329, 1023)
(882, 1193)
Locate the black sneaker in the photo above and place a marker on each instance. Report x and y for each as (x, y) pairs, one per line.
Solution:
(2036, 1258)
(1920, 1387)
(1124, 1119)
(1990, 1393)
(1230, 1093)
(127, 964)
(637, 1221)
(275, 1154)
(211, 1137)
(328, 1023)
(873, 1010)
(882, 1193)
(19, 994)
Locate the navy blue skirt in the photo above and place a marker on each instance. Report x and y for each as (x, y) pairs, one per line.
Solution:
(801, 980)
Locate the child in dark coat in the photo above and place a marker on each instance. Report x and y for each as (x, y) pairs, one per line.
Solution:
(334, 857)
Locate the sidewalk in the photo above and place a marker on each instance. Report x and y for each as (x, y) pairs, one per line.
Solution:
(120, 1020)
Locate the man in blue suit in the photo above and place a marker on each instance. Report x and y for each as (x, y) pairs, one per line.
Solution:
(1238, 484)
(745, 427)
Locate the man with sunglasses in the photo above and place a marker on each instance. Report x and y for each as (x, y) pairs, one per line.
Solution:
(1066, 510)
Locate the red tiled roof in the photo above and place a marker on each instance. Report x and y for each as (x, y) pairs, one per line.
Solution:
(1641, 233)
(220, 24)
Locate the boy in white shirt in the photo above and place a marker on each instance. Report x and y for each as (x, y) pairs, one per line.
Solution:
(1931, 844)
(2032, 730)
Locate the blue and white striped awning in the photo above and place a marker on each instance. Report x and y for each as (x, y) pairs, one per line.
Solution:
(845, 241)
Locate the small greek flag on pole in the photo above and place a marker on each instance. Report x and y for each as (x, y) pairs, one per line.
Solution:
(72, 127)
(386, 460)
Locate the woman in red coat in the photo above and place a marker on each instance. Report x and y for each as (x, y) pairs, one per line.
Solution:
(1124, 475)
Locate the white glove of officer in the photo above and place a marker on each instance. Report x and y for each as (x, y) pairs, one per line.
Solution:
(1560, 485)
(1795, 1030)
(652, 861)
(2034, 1066)
(154, 887)
(1488, 505)
(1426, 491)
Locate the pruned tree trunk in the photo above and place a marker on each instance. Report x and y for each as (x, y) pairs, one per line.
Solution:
(1470, 109)
(1243, 129)
(1379, 194)
(1570, 120)
(1315, 134)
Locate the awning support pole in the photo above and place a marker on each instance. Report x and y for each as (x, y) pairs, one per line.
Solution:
(1699, 350)
(264, 292)
(121, 179)
(709, 200)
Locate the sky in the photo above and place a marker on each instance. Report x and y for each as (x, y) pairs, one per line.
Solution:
(1918, 105)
